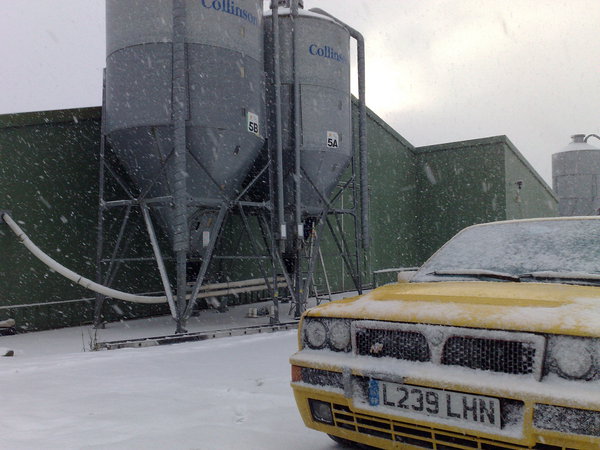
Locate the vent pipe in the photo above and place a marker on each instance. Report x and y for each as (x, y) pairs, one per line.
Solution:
(180, 99)
(362, 126)
(278, 125)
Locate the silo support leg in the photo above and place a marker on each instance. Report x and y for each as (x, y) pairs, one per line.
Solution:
(278, 261)
(181, 290)
(255, 247)
(206, 257)
(159, 260)
(113, 267)
(316, 244)
(98, 311)
(343, 254)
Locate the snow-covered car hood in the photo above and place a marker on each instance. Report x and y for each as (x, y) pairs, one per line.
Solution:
(536, 307)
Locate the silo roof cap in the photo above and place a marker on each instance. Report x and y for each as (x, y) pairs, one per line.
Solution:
(578, 143)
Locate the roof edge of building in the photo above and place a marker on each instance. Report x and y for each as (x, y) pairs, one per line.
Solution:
(385, 126)
(462, 144)
(534, 172)
(478, 142)
(72, 115)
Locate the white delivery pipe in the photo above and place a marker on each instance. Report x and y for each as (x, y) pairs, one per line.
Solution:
(76, 278)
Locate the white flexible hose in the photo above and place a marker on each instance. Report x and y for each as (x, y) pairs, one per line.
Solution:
(76, 278)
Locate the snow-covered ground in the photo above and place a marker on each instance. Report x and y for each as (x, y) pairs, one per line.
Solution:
(230, 393)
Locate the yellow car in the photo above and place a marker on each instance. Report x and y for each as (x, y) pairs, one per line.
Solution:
(494, 343)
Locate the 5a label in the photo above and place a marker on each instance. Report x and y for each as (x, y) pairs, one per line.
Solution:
(252, 124)
(333, 139)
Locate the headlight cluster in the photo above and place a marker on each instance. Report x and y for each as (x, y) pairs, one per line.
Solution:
(574, 358)
(327, 333)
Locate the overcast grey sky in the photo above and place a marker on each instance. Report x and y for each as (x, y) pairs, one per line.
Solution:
(437, 70)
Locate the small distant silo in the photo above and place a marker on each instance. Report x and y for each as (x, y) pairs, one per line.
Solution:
(576, 178)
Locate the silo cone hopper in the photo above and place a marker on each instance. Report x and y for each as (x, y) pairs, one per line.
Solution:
(184, 106)
(215, 170)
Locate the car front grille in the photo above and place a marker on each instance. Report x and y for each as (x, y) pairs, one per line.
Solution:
(513, 353)
(511, 357)
(399, 344)
(420, 436)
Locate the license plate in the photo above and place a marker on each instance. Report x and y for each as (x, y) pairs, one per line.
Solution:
(474, 409)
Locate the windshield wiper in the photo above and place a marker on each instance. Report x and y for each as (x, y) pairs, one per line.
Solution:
(476, 273)
(592, 278)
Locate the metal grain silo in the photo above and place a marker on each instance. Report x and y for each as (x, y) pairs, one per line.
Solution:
(576, 178)
(313, 55)
(221, 74)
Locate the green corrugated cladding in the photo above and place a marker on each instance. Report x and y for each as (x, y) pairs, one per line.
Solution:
(392, 189)
(469, 182)
(48, 174)
(49, 183)
(393, 198)
(418, 199)
(535, 198)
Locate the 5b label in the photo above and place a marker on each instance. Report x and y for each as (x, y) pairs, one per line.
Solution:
(252, 124)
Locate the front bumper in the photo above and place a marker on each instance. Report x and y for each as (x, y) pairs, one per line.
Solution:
(554, 415)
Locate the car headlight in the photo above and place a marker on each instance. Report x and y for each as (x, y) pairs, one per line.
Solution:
(572, 357)
(333, 334)
(339, 335)
(315, 333)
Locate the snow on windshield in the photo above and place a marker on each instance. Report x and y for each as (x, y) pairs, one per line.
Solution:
(571, 246)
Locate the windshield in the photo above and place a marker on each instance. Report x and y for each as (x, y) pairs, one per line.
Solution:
(570, 248)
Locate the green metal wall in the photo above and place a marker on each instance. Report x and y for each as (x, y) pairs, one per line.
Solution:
(468, 182)
(49, 183)
(419, 197)
(459, 184)
(535, 198)
(48, 174)
(393, 194)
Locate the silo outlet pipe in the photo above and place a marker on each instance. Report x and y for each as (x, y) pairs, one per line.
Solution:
(278, 124)
(178, 120)
(74, 277)
(362, 125)
(297, 129)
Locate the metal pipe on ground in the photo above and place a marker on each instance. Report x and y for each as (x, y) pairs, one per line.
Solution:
(69, 274)
(235, 284)
(234, 287)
